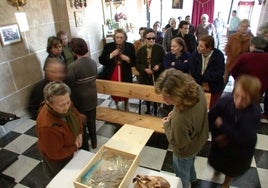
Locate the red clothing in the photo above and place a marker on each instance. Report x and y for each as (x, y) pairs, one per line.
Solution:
(117, 76)
(254, 64)
(55, 139)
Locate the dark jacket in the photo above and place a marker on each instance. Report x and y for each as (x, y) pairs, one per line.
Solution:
(233, 156)
(213, 73)
(181, 63)
(255, 64)
(36, 98)
(190, 42)
(158, 54)
(81, 76)
(109, 64)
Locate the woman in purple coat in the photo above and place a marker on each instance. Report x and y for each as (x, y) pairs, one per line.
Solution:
(233, 121)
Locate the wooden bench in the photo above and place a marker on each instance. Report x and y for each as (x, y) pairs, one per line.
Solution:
(135, 91)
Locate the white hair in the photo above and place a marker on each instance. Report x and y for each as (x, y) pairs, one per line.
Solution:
(204, 16)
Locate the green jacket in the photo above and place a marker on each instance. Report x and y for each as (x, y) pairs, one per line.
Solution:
(187, 131)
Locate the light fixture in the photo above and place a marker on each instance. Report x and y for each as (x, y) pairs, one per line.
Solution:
(17, 3)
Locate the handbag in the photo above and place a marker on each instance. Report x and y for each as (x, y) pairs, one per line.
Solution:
(144, 181)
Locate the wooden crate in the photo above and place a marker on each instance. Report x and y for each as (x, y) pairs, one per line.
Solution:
(127, 142)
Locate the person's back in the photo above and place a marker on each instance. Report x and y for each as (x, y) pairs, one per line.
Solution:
(237, 44)
(253, 63)
(82, 76)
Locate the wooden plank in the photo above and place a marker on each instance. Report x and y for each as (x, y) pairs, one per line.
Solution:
(128, 90)
(121, 117)
(130, 138)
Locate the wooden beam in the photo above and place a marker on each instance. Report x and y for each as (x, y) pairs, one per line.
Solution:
(128, 90)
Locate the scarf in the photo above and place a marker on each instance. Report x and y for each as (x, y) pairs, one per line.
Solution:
(72, 120)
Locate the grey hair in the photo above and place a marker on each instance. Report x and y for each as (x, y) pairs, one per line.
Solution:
(263, 29)
(55, 88)
(205, 16)
(258, 42)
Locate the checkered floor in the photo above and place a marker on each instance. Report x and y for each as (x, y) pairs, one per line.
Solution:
(18, 148)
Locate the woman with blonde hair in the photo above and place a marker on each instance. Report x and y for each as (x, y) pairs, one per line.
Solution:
(233, 123)
(186, 126)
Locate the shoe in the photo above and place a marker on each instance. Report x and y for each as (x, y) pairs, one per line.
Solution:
(149, 113)
(264, 116)
(94, 145)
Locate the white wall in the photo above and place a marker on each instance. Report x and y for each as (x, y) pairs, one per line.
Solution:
(168, 12)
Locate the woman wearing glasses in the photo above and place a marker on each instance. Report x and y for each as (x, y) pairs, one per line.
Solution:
(149, 62)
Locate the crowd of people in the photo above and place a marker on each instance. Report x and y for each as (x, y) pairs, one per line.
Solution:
(181, 62)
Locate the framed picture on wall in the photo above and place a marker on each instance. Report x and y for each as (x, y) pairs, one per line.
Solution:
(10, 34)
(177, 4)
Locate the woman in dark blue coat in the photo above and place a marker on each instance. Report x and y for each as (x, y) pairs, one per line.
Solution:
(207, 68)
(178, 57)
(233, 122)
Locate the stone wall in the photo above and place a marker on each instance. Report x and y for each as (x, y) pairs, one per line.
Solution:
(21, 63)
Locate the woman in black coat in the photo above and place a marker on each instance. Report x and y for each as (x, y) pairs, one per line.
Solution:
(233, 121)
(117, 59)
(149, 62)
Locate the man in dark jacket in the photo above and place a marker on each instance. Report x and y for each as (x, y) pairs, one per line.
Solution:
(189, 39)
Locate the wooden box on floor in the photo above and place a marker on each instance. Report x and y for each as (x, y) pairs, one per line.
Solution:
(128, 142)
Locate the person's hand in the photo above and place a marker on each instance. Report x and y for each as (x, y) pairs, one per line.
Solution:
(78, 141)
(168, 118)
(218, 122)
(148, 71)
(125, 58)
(156, 68)
(83, 118)
(114, 53)
(165, 120)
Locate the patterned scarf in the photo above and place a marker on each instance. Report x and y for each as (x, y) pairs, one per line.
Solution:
(72, 120)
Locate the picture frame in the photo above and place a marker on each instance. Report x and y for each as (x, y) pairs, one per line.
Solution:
(10, 34)
(177, 4)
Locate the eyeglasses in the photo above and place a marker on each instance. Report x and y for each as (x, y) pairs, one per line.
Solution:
(150, 38)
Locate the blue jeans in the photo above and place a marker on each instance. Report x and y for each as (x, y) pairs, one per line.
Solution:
(184, 169)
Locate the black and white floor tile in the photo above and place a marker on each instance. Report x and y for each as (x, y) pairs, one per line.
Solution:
(20, 162)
